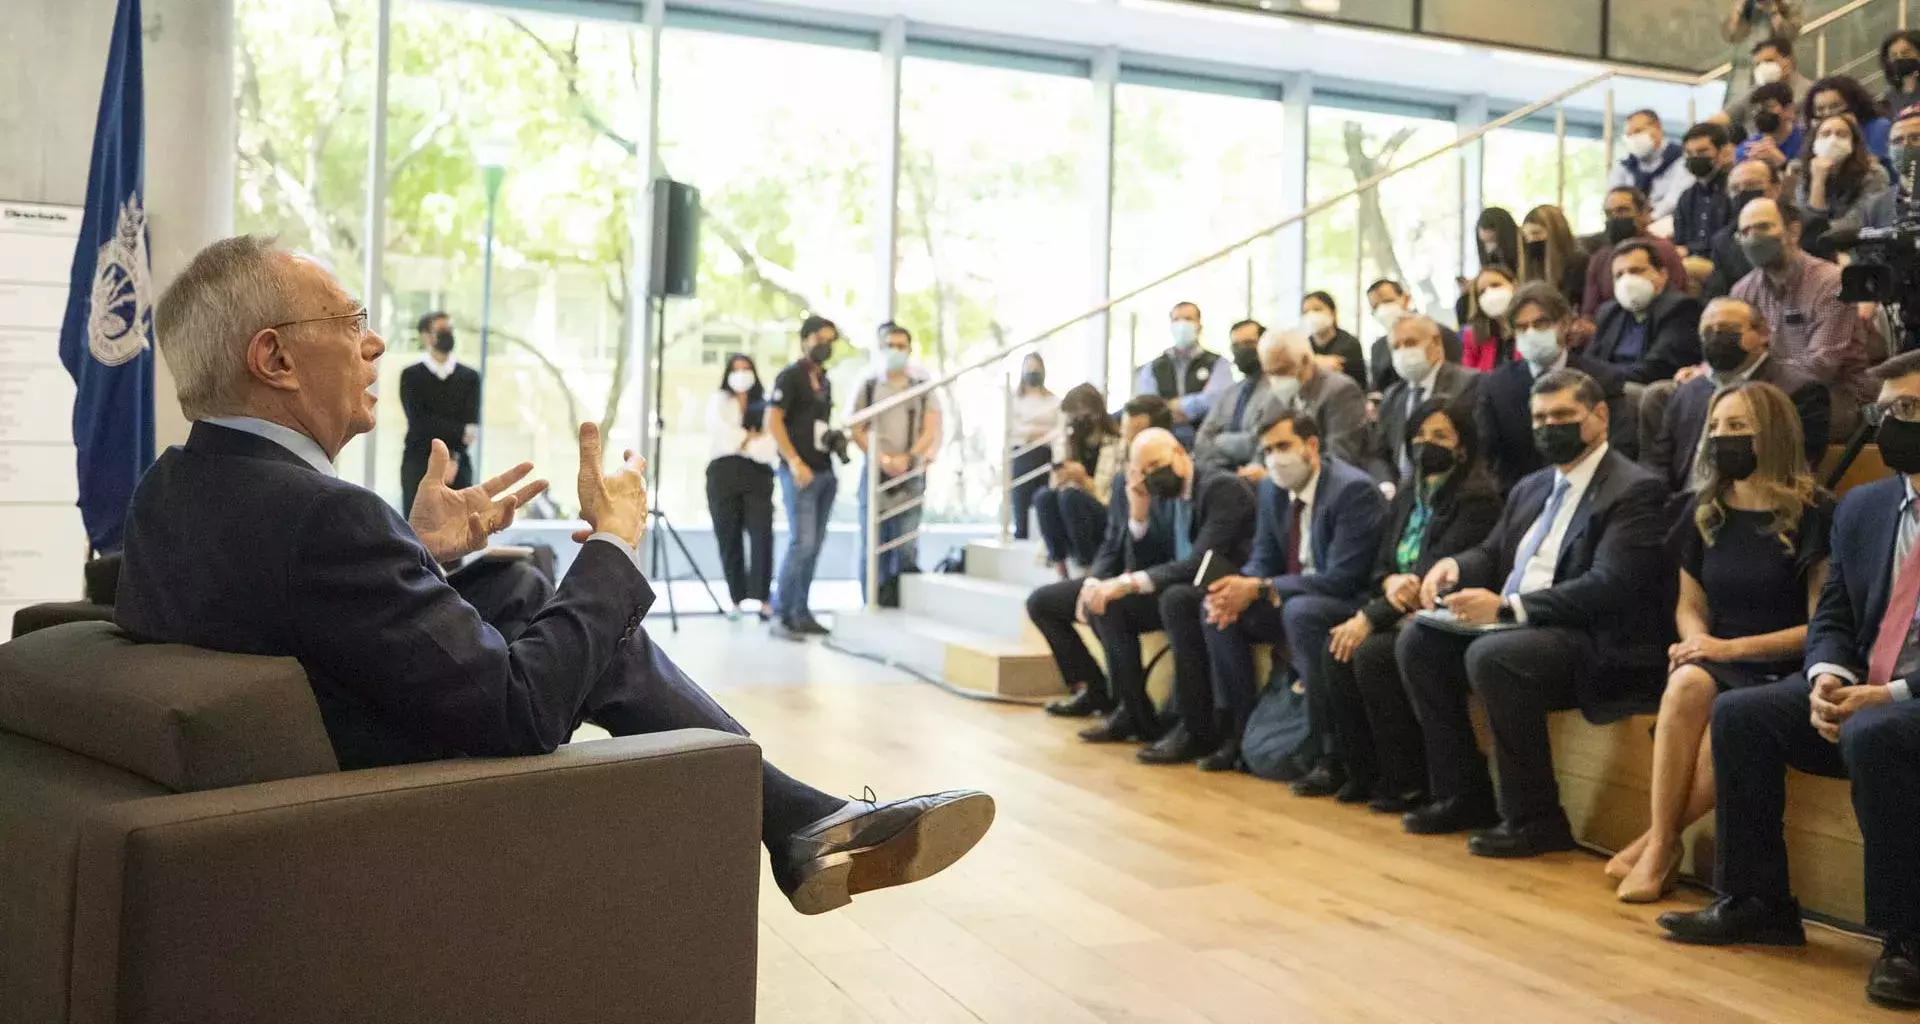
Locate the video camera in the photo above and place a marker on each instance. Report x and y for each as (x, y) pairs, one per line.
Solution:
(1886, 267)
(834, 443)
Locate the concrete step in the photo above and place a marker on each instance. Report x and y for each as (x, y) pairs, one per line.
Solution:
(982, 605)
(1011, 561)
(959, 657)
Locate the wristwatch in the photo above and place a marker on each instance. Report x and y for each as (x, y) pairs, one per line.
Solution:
(1506, 612)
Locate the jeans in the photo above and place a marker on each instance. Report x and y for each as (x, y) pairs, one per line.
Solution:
(807, 511)
(1072, 523)
(906, 555)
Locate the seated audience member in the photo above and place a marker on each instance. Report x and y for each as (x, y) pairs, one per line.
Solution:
(1550, 254)
(1318, 528)
(1584, 593)
(1333, 348)
(1647, 332)
(1295, 381)
(1735, 340)
(1224, 440)
(1750, 180)
(1628, 217)
(1087, 455)
(1777, 134)
(1848, 715)
(1189, 377)
(1387, 302)
(243, 540)
(1652, 164)
(1213, 517)
(1487, 341)
(1054, 607)
(1543, 324)
(1836, 177)
(1900, 69)
(1773, 63)
(1882, 210)
(1844, 96)
(1416, 359)
(1753, 552)
(1445, 505)
(1705, 207)
(1799, 298)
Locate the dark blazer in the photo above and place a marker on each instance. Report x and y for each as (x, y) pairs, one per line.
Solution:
(235, 544)
(1673, 338)
(1505, 417)
(1464, 511)
(1384, 375)
(1222, 522)
(1671, 456)
(1348, 515)
(1614, 580)
(1729, 266)
(1119, 552)
(1859, 576)
(1453, 382)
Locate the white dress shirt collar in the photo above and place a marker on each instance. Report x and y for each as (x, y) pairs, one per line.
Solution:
(292, 440)
(1582, 472)
(442, 370)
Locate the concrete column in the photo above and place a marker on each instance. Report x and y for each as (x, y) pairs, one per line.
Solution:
(1290, 243)
(1106, 81)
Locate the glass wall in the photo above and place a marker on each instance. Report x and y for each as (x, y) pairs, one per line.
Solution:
(1520, 170)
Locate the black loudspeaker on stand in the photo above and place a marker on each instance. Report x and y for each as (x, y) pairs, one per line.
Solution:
(675, 265)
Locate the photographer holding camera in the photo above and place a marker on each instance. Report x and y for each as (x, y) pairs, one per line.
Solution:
(903, 439)
(797, 414)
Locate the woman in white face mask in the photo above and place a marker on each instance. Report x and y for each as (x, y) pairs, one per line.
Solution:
(741, 457)
(1838, 174)
(1334, 350)
(1487, 341)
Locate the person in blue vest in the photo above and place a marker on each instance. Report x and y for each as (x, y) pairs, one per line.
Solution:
(1653, 165)
(1189, 377)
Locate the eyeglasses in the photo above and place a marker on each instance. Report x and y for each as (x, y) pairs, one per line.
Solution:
(1906, 409)
(358, 316)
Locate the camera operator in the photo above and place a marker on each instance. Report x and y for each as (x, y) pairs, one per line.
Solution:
(797, 413)
(1903, 152)
(903, 439)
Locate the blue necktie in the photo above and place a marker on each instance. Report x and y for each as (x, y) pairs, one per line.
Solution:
(1182, 520)
(1536, 537)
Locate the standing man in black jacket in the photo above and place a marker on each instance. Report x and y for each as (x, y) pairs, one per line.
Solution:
(442, 401)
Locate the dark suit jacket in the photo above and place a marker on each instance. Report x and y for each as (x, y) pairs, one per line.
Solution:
(1119, 552)
(1221, 522)
(235, 544)
(1464, 511)
(1505, 417)
(1859, 576)
(1729, 266)
(1613, 581)
(1673, 338)
(1671, 457)
(1452, 382)
(1348, 515)
(1384, 375)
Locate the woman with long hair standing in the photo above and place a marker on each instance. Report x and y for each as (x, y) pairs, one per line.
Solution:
(740, 465)
(1753, 556)
(1035, 412)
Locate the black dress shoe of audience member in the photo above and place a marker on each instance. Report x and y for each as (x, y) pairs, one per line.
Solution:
(1085, 704)
(1446, 815)
(1119, 727)
(811, 627)
(1508, 841)
(1398, 803)
(1178, 746)
(1738, 921)
(1358, 790)
(1323, 780)
(866, 846)
(1226, 758)
(1895, 979)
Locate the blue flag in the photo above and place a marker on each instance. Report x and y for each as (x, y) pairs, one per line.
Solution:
(107, 339)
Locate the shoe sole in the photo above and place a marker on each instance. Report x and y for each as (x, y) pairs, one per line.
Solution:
(1754, 940)
(1498, 854)
(1892, 1002)
(928, 845)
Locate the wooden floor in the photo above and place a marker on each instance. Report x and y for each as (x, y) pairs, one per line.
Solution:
(1109, 891)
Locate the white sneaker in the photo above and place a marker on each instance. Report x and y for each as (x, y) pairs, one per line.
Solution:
(751, 606)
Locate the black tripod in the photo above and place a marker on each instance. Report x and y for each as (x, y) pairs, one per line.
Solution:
(660, 565)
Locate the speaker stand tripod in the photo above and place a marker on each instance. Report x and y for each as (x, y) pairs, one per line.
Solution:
(660, 564)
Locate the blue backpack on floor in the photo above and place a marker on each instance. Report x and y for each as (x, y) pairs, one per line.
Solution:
(1276, 742)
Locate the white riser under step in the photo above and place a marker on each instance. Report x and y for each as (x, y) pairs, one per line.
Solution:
(959, 657)
(982, 605)
(1015, 561)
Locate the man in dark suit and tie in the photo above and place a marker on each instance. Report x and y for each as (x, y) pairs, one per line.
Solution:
(1053, 608)
(1213, 517)
(243, 540)
(1568, 603)
(1857, 720)
(1317, 533)
(1735, 339)
(1543, 323)
(1420, 361)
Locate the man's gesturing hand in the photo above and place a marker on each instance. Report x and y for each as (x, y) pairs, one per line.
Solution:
(613, 502)
(453, 524)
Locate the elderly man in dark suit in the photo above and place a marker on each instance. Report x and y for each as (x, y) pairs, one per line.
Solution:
(1735, 339)
(244, 540)
(1213, 517)
(1849, 715)
(1420, 361)
(1319, 526)
(1567, 603)
(1543, 324)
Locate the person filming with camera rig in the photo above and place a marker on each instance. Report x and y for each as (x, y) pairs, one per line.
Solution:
(903, 439)
(797, 415)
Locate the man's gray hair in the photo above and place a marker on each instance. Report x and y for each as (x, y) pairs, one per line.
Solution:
(231, 291)
(1429, 327)
(1280, 339)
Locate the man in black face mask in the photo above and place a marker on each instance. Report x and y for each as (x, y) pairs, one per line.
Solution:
(1223, 442)
(1882, 209)
(798, 408)
(1849, 715)
(1213, 517)
(1734, 339)
(1576, 573)
(1749, 180)
(442, 401)
(1628, 217)
(1704, 207)
(1777, 132)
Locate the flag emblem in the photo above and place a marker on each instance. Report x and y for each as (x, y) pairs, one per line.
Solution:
(122, 316)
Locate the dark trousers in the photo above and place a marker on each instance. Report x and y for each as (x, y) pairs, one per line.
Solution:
(740, 499)
(1384, 739)
(1230, 655)
(1072, 522)
(1335, 718)
(1520, 675)
(1024, 463)
(413, 467)
(1758, 733)
(1051, 609)
(1192, 675)
(1119, 629)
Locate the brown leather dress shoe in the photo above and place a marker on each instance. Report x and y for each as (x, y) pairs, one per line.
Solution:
(867, 846)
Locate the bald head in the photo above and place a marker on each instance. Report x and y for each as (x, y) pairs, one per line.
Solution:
(1158, 458)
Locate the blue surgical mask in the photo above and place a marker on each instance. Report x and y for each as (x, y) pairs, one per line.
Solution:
(896, 360)
(1186, 334)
